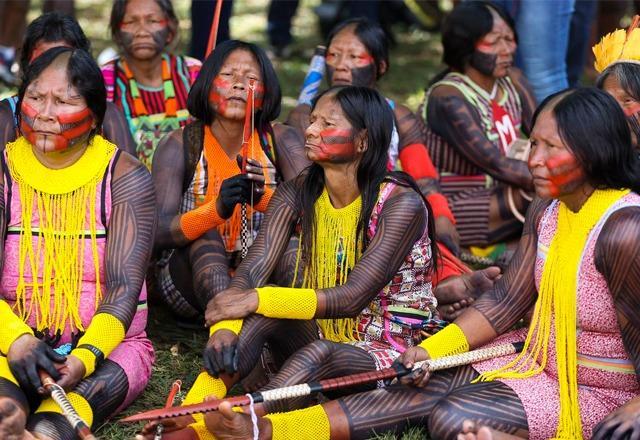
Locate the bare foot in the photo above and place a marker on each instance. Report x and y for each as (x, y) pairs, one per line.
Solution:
(13, 420)
(226, 424)
(472, 431)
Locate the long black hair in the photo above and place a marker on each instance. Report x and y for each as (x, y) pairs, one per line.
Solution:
(593, 126)
(463, 28)
(367, 110)
(83, 74)
(52, 26)
(198, 100)
(372, 36)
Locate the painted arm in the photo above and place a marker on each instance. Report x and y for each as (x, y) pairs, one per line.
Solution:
(527, 98)
(454, 119)
(129, 244)
(116, 129)
(617, 257)
(290, 154)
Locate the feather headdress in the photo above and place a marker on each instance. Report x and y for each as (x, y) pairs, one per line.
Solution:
(618, 46)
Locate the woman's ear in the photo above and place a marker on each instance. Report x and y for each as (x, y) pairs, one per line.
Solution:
(382, 69)
(362, 141)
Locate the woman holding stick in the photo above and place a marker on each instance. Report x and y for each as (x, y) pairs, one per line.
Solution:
(579, 249)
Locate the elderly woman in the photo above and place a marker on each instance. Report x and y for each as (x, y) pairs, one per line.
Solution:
(78, 221)
(51, 30)
(617, 61)
(147, 82)
(366, 257)
(474, 113)
(578, 372)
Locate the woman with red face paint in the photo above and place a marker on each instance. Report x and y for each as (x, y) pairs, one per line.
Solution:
(475, 114)
(618, 62)
(358, 54)
(576, 265)
(78, 221)
(53, 30)
(366, 259)
(147, 82)
(199, 181)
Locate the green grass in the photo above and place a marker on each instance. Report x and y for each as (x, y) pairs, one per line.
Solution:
(414, 60)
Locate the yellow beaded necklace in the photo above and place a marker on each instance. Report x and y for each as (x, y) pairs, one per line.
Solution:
(60, 198)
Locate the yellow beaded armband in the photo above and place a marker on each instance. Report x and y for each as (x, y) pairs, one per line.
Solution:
(309, 422)
(287, 302)
(233, 325)
(103, 335)
(448, 341)
(12, 327)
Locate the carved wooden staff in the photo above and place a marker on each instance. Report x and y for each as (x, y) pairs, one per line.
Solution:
(175, 389)
(247, 137)
(213, 32)
(325, 385)
(60, 397)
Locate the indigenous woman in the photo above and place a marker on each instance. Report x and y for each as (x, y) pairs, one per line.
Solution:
(147, 82)
(199, 181)
(52, 30)
(474, 113)
(576, 264)
(366, 250)
(78, 221)
(358, 54)
(618, 62)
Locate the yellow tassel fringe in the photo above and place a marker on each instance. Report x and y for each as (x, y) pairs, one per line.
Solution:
(557, 303)
(60, 199)
(336, 248)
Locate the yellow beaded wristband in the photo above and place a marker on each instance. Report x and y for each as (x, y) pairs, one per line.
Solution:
(311, 422)
(12, 327)
(287, 302)
(103, 335)
(450, 340)
(234, 325)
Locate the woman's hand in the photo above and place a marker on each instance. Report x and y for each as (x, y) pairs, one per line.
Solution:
(26, 355)
(457, 293)
(221, 353)
(71, 373)
(231, 304)
(241, 188)
(419, 377)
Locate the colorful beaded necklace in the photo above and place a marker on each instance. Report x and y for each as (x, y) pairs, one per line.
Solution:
(170, 102)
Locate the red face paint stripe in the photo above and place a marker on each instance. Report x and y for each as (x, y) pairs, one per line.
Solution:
(72, 118)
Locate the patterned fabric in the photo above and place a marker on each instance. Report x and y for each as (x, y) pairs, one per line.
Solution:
(606, 375)
(135, 353)
(466, 186)
(394, 319)
(148, 130)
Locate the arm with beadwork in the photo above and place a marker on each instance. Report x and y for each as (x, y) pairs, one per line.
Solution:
(494, 313)
(177, 229)
(129, 244)
(403, 221)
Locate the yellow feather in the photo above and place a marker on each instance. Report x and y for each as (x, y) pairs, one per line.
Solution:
(631, 50)
(609, 49)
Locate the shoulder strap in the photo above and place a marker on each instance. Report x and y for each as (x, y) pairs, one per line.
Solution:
(192, 144)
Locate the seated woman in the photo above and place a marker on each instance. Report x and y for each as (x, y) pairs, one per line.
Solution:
(580, 247)
(367, 253)
(51, 30)
(474, 112)
(197, 177)
(78, 219)
(149, 84)
(617, 61)
(358, 54)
